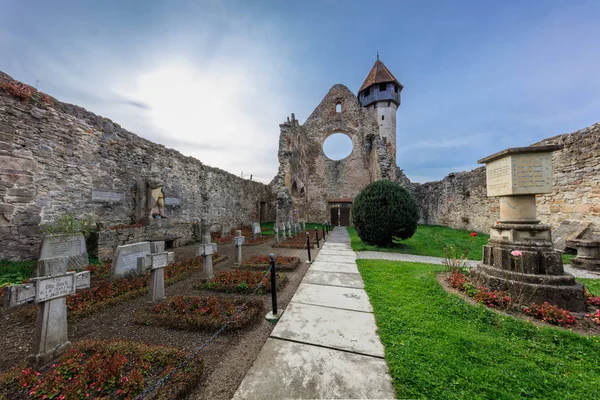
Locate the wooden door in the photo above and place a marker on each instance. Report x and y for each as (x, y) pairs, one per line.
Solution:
(345, 216)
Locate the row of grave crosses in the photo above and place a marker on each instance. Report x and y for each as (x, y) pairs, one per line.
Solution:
(288, 227)
(54, 283)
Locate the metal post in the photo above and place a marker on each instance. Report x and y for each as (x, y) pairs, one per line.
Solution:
(317, 232)
(273, 284)
(308, 245)
(323, 228)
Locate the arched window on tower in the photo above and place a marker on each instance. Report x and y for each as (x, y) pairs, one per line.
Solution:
(338, 108)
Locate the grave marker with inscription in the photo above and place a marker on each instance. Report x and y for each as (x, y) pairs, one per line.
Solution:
(172, 201)
(71, 246)
(49, 291)
(206, 250)
(125, 260)
(536, 274)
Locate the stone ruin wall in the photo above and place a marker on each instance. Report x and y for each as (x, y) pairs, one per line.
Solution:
(318, 179)
(52, 157)
(459, 200)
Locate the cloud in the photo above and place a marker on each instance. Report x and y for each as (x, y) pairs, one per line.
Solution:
(209, 91)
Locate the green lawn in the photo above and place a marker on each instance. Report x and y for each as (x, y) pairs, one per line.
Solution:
(592, 284)
(440, 347)
(12, 272)
(428, 241)
(270, 225)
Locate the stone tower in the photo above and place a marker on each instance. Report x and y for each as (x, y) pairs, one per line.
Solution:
(380, 94)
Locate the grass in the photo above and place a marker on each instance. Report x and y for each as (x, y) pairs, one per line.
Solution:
(269, 226)
(566, 258)
(438, 346)
(428, 240)
(592, 284)
(14, 272)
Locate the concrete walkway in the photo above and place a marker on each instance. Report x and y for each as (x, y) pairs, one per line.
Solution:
(325, 345)
(379, 255)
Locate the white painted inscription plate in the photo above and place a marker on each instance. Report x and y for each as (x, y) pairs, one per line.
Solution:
(519, 174)
(129, 261)
(107, 196)
(159, 260)
(52, 288)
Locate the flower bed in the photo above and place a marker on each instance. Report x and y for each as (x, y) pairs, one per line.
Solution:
(499, 299)
(299, 241)
(259, 240)
(552, 314)
(105, 369)
(216, 237)
(263, 263)
(106, 292)
(199, 313)
(241, 281)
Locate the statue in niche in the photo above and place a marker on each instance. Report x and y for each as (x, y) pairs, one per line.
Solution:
(156, 197)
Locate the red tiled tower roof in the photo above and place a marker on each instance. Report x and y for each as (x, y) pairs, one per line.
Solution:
(379, 74)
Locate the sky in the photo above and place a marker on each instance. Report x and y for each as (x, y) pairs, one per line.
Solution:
(214, 79)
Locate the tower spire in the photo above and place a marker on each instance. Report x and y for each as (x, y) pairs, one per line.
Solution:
(377, 55)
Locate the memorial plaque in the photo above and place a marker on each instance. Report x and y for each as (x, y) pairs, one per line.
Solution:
(63, 246)
(159, 260)
(172, 201)
(520, 174)
(52, 288)
(126, 257)
(255, 228)
(106, 196)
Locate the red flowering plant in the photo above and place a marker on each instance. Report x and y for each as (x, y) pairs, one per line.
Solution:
(551, 314)
(456, 256)
(590, 299)
(595, 318)
(109, 369)
(492, 298)
(242, 281)
(200, 312)
(282, 263)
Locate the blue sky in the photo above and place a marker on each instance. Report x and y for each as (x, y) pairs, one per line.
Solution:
(214, 79)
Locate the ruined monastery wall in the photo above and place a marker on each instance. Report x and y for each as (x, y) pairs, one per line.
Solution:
(459, 200)
(53, 157)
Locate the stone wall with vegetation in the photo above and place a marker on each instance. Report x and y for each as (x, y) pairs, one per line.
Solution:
(52, 155)
(459, 200)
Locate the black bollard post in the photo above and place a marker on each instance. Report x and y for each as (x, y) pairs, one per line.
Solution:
(308, 246)
(273, 284)
(317, 232)
(323, 227)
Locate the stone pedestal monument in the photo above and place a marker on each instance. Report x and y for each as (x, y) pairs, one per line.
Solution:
(520, 257)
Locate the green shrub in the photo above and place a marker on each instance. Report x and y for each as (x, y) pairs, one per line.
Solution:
(69, 224)
(384, 210)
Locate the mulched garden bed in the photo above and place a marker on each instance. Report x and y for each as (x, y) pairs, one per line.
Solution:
(259, 240)
(105, 291)
(115, 369)
(263, 263)
(582, 322)
(299, 241)
(241, 281)
(200, 312)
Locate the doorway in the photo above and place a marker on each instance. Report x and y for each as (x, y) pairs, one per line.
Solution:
(340, 213)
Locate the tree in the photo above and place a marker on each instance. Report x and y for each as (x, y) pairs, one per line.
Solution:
(384, 210)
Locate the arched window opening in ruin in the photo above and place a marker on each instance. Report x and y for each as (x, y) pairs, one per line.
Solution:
(294, 189)
(337, 146)
(338, 108)
(302, 192)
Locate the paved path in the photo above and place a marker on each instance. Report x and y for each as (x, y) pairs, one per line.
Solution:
(325, 345)
(378, 255)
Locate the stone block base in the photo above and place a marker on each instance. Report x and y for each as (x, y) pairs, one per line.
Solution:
(40, 360)
(590, 264)
(561, 290)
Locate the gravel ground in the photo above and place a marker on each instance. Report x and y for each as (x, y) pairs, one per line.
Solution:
(227, 358)
(377, 255)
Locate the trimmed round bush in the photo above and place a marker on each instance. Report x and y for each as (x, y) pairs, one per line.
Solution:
(384, 210)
